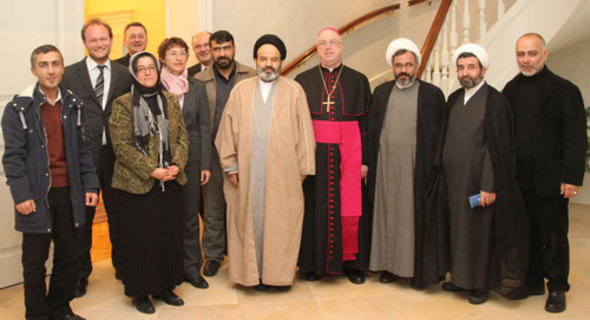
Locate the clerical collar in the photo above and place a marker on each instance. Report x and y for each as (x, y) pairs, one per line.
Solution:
(471, 92)
(222, 77)
(331, 69)
(537, 76)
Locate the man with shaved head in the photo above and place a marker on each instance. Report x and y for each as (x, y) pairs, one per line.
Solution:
(200, 44)
(551, 141)
(335, 229)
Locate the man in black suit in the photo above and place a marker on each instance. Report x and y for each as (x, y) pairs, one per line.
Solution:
(135, 40)
(200, 44)
(551, 141)
(98, 82)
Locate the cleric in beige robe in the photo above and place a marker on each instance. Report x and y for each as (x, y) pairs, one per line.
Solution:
(266, 149)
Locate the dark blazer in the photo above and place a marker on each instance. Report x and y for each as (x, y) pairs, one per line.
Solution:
(77, 79)
(195, 111)
(194, 70)
(124, 60)
(561, 138)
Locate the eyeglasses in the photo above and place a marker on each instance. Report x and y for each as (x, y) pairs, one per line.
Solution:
(331, 43)
(150, 68)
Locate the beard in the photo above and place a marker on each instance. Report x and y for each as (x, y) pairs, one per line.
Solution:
(468, 82)
(268, 74)
(404, 80)
(224, 62)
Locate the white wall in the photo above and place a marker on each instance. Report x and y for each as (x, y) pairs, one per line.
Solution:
(25, 25)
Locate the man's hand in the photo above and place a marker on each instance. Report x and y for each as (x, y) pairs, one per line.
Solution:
(569, 190)
(91, 199)
(205, 176)
(26, 207)
(364, 171)
(487, 198)
(235, 180)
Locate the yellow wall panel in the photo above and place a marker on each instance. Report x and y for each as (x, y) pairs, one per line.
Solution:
(151, 13)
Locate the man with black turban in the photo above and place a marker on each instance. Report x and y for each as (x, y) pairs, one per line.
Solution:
(266, 149)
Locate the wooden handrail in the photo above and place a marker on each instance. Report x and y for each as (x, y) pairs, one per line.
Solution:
(343, 30)
(433, 33)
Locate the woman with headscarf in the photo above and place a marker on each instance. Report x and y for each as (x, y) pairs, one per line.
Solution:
(151, 145)
(192, 97)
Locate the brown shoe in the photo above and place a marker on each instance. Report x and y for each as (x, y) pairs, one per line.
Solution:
(387, 277)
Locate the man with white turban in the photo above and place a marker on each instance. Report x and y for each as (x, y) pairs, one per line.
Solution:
(478, 160)
(405, 118)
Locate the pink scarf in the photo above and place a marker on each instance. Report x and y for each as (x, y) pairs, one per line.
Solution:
(178, 85)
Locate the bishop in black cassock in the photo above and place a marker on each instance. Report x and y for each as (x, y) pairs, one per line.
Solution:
(336, 227)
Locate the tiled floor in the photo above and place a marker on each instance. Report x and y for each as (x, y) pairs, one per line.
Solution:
(330, 298)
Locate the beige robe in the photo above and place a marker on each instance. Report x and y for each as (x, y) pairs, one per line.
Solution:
(290, 154)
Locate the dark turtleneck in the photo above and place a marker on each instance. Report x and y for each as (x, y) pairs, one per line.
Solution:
(530, 91)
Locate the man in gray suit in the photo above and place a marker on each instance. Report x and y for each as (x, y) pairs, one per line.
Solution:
(98, 82)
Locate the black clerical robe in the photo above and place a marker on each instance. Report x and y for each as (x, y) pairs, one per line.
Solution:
(430, 216)
(322, 239)
(508, 231)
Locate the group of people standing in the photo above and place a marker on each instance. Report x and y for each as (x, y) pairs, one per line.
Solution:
(315, 172)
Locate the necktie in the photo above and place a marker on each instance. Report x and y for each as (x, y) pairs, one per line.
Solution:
(99, 86)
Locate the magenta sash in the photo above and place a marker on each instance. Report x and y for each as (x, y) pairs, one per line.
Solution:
(347, 135)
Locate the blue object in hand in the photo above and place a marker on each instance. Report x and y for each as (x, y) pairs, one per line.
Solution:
(474, 200)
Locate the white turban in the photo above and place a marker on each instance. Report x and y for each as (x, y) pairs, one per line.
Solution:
(474, 49)
(401, 44)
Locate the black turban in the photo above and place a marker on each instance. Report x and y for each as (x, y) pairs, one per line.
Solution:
(273, 40)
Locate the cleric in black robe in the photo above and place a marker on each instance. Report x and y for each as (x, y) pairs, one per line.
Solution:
(430, 219)
(334, 242)
(488, 243)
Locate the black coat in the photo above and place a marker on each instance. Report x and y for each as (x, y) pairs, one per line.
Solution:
(431, 226)
(194, 69)
(561, 138)
(124, 61)
(509, 251)
(26, 159)
(77, 79)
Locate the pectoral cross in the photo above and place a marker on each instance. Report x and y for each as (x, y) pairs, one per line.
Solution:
(328, 104)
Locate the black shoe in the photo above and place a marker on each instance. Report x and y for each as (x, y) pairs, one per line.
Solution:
(80, 287)
(312, 276)
(169, 298)
(210, 268)
(144, 304)
(198, 282)
(450, 287)
(70, 316)
(261, 287)
(555, 301)
(355, 276)
(478, 296)
(283, 288)
(387, 277)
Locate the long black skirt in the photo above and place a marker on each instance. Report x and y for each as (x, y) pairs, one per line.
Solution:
(151, 239)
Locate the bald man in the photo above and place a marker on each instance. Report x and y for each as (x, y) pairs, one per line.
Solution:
(335, 230)
(200, 44)
(551, 142)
